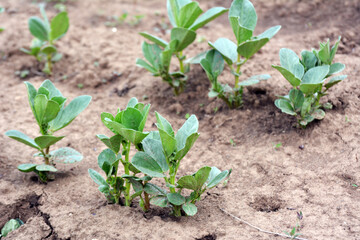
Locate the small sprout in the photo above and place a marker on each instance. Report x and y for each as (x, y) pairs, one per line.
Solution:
(243, 23)
(347, 119)
(355, 185)
(215, 109)
(48, 106)
(232, 143)
(60, 7)
(46, 33)
(80, 86)
(96, 64)
(186, 17)
(277, 146)
(308, 77)
(23, 73)
(300, 215)
(201, 105)
(187, 116)
(10, 226)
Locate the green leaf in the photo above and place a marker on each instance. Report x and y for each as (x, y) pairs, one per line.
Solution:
(66, 155)
(40, 104)
(335, 80)
(152, 189)
(163, 124)
(254, 80)
(336, 68)
(294, 81)
(248, 48)
(318, 114)
(152, 54)
(188, 14)
(59, 26)
(27, 167)
(38, 28)
(285, 106)
(207, 17)
(98, 179)
(196, 59)
(201, 176)
(47, 140)
(309, 59)
(45, 168)
(9, 227)
(145, 113)
(180, 154)
(306, 107)
(334, 50)
(131, 118)
(243, 19)
(324, 53)
(44, 91)
(21, 137)
(188, 182)
(106, 159)
(160, 201)
(313, 79)
(189, 208)
(297, 98)
(147, 165)
(190, 127)
(213, 64)
(226, 48)
(113, 143)
(131, 135)
(31, 95)
(216, 177)
(53, 91)
(154, 39)
(142, 63)
(48, 49)
(154, 149)
(184, 37)
(70, 112)
(175, 199)
(291, 62)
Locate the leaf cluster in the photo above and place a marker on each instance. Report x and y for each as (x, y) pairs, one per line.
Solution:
(308, 77)
(158, 155)
(48, 107)
(243, 19)
(46, 33)
(186, 17)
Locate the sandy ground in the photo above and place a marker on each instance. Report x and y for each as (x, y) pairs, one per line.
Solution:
(267, 187)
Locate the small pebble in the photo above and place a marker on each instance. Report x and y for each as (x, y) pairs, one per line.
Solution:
(302, 147)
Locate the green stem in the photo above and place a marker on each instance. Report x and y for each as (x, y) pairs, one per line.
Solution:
(180, 57)
(46, 157)
(49, 63)
(237, 72)
(127, 171)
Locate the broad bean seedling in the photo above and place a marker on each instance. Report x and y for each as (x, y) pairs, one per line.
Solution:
(307, 77)
(48, 106)
(46, 34)
(186, 17)
(243, 19)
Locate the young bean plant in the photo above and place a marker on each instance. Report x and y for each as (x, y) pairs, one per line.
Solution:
(161, 158)
(308, 78)
(48, 106)
(127, 126)
(185, 17)
(46, 34)
(243, 19)
(10, 226)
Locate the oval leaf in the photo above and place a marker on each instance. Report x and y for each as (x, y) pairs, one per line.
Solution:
(27, 167)
(175, 198)
(45, 168)
(147, 165)
(189, 208)
(38, 28)
(98, 179)
(21, 137)
(66, 155)
(59, 25)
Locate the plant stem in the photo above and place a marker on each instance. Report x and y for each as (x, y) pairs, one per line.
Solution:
(47, 162)
(49, 63)
(180, 57)
(237, 72)
(127, 171)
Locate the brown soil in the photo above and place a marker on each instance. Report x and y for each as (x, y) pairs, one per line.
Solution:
(313, 171)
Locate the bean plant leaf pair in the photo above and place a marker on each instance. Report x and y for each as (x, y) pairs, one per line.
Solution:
(308, 77)
(163, 152)
(46, 33)
(243, 19)
(51, 114)
(186, 17)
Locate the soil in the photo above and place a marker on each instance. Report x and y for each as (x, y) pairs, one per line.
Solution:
(316, 170)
